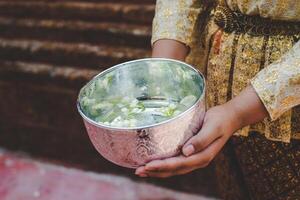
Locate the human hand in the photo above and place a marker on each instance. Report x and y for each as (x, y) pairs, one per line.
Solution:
(199, 151)
(219, 124)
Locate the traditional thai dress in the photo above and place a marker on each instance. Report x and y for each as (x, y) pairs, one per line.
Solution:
(236, 43)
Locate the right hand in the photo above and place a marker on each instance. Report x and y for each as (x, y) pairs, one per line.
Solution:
(166, 48)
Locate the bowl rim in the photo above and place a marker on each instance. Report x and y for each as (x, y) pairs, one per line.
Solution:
(101, 125)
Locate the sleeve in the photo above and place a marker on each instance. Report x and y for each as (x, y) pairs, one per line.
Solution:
(278, 85)
(176, 19)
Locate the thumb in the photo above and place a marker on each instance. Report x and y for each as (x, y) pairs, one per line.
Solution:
(201, 140)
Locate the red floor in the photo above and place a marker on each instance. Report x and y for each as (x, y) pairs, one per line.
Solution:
(26, 179)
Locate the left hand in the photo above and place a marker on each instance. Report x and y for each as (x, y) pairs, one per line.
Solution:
(219, 124)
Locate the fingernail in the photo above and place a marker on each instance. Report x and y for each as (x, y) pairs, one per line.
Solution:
(189, 150)
(143, 175)
(140, 170)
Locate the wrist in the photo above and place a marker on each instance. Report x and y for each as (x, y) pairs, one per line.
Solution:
(225, 118)
(246, 109)
(235, 117)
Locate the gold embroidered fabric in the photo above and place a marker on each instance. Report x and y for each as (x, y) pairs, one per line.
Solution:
(231, 61)
(279, 84)
(176, 20)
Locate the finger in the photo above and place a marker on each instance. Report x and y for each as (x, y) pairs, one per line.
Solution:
(205, 137)
(203, 158)
(182, 164)
(140, 170)
(169, 164)
(160, 174)
(200, 160)
(168, 174)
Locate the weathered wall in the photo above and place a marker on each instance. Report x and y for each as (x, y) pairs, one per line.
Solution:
(48, 50)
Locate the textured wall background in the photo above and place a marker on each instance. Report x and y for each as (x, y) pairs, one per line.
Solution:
(48, 50)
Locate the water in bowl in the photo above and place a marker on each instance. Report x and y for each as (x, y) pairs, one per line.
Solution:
(127, 112)
(141, 94)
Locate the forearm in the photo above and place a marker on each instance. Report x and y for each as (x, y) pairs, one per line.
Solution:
(173, 49)
(246, 108)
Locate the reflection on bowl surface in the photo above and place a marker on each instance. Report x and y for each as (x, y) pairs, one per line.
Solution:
(142, 110)
(141, 93)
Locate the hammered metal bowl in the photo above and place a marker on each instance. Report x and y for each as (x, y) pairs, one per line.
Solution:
(135, 146)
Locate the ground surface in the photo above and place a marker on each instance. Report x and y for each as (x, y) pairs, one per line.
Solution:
(26, 179)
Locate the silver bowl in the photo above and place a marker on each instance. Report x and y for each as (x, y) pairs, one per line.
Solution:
(135, 146)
